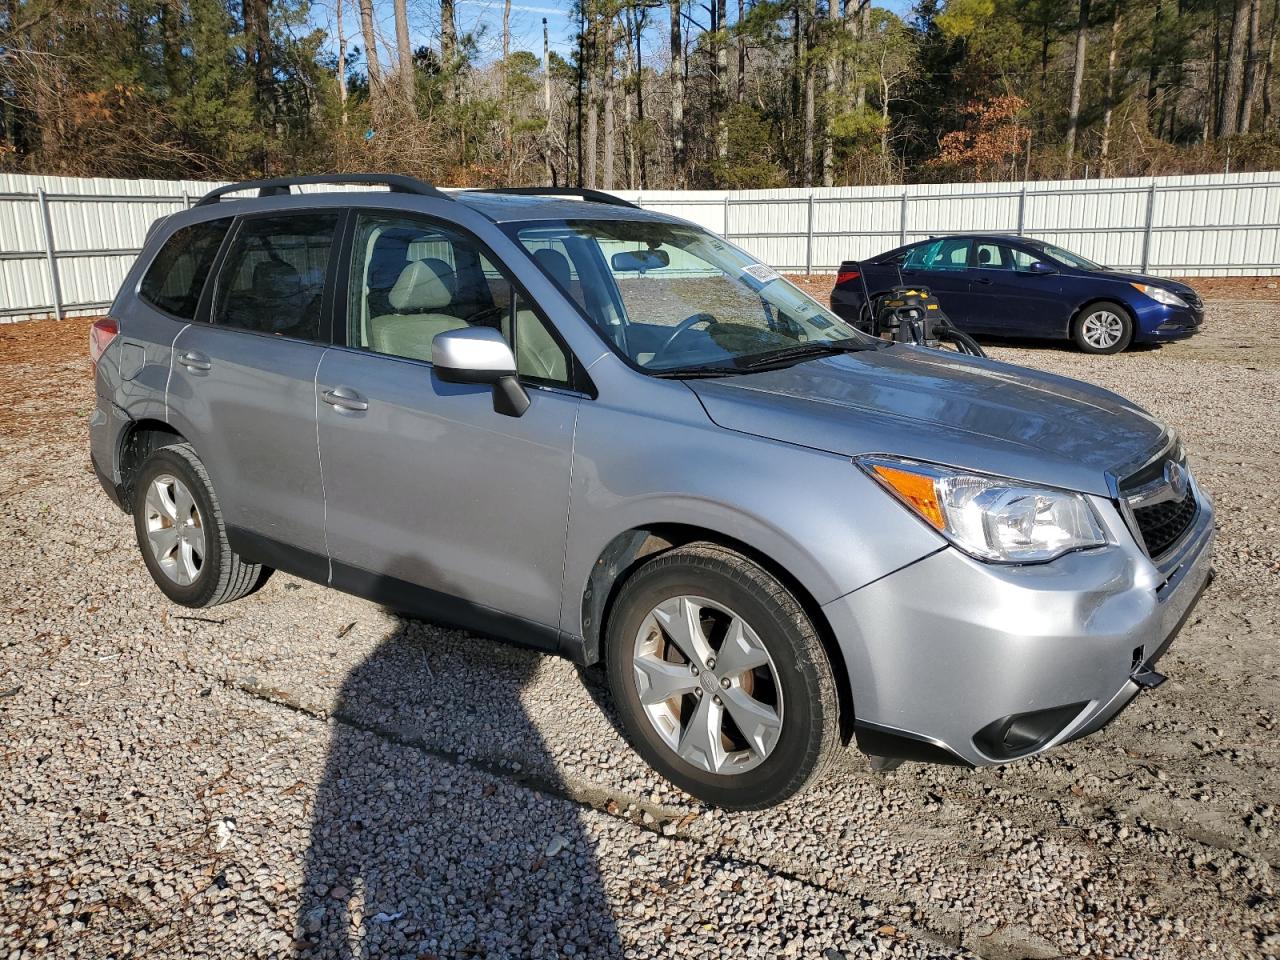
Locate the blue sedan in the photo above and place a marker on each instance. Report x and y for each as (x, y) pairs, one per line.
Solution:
(1013, 286)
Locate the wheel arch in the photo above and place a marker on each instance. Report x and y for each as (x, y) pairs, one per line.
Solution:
(137, 442)
(630, 548)
(1093, 301)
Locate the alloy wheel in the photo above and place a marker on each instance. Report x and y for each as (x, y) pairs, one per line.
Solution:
(708, 685)
(1102, 329)
(175, 529)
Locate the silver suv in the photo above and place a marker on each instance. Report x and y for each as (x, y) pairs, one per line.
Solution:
(608, 433)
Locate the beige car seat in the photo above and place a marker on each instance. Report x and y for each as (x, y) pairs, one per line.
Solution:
(419, 297)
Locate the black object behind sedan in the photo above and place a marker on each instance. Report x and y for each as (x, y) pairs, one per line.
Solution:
(1013, 286)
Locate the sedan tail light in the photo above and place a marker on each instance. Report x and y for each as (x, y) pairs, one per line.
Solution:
(846, 275)
(100, 336)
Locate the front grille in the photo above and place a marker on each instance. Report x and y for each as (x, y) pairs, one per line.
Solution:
(1161, 524)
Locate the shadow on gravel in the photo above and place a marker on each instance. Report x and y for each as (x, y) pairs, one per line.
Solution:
(417, 851)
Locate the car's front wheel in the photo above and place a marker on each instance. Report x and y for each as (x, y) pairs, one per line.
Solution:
(720, 678)
(1102, 328)
(179, 527)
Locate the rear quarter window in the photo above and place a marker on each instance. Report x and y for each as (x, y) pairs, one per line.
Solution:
(174, 281)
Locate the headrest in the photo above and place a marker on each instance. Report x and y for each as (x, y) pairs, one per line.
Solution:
(984, 254)
(554, 264)
(419, 289)
(275, 278)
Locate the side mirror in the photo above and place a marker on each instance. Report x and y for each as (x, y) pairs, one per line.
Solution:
(480, 355)
(1042, 268)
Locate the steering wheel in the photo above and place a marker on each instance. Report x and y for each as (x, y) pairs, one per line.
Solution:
(683, 327)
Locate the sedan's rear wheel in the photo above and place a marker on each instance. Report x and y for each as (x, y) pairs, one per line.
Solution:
(720, 678)
(1102, 328)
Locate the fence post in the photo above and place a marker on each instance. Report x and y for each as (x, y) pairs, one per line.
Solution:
(725, 234)
(1022, 209)
(808, 240)
(46, 223)
(902, 219)
(1146, 235)
(186, 199)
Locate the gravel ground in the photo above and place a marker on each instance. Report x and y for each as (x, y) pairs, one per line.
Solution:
(304, 774)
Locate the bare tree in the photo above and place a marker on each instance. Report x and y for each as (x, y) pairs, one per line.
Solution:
(448, 47)
(1109, 95)
(810, 120)
(720, 32)
(372, 66)
(1253, 68)
(831, 77)
(592, 144)
(404, 54)
(606, 69)
(342, 60)
(676, 73)
(1077, 80)
(1229, 112)
(741, 92)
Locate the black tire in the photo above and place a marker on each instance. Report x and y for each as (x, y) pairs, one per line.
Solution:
(810, 734)
(1092, 313)
(223, 575)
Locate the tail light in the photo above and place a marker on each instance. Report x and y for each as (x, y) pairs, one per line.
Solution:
(846, 275)
(100, 336)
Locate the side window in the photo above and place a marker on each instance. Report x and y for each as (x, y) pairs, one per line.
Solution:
(273, 277)
(994, 256)
(412, 279)
(1020, 259)
(174, 281)
(944, 254)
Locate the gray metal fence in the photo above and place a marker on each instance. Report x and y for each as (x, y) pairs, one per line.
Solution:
(65, 244)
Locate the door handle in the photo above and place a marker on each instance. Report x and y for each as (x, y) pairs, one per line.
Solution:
(194, 361)
(344, 398)
(982, 280)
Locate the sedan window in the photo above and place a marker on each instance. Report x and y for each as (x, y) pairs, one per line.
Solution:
(947, 253)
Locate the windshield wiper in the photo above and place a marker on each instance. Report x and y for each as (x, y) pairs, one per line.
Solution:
(694, 373)
(805, 351)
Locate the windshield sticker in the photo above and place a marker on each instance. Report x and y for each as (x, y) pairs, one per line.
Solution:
(761, 273)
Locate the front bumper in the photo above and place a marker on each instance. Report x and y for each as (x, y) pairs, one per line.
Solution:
(956, 660)
(1161, 323)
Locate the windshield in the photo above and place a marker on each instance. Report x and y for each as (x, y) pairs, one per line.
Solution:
(673, 297)
(1069, 258)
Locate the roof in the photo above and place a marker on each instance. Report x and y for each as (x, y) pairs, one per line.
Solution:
(507, 207)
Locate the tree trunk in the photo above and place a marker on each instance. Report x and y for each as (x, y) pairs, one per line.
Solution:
(1267, 108)
(863, 8)
(810, 119)
(546, 104)
(1110, 94)
(1229, 112)
(508, 134)
(1077, 80)
(722, 82)
(448, 48)
(404, 54)
(1253, 68)
(342, 61)
(579, 92)
(828, 96)
(741, 92)
(257, 29)
(372, 67)
(592, 144)
(641, 154)
(610, 134)
(677, 98)
(628, 79)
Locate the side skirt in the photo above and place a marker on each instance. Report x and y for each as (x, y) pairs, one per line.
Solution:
(403, 597)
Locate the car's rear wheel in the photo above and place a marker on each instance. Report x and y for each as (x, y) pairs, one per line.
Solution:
(181, 534)
(720, 678)
(1102, 328)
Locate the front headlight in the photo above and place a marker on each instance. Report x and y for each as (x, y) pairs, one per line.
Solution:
(1160, 294)
(989, 517)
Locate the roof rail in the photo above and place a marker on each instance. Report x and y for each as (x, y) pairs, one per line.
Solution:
(279, 186)
(595, 196)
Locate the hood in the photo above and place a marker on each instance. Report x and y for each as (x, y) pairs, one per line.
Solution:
(942, 407)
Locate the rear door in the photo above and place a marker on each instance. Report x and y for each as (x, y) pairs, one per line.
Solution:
(242, 386)
(1011, 300)
(436, 502)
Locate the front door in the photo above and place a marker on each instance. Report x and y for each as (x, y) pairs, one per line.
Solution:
(942, 265)
(437, 503)
(1012, 300)
(242, 385)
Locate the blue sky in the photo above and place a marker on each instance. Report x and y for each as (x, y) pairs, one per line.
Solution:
(485, 18)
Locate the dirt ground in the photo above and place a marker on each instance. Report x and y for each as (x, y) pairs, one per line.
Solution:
(306, 774)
